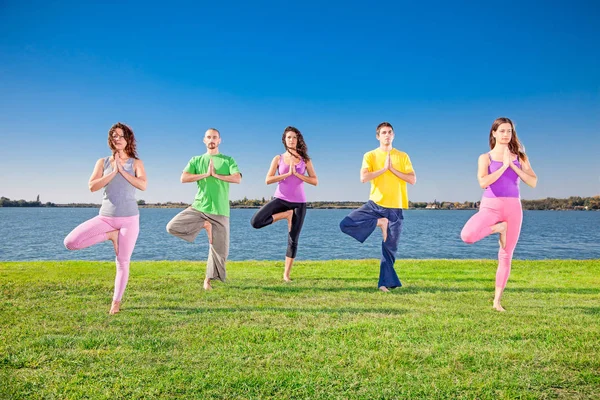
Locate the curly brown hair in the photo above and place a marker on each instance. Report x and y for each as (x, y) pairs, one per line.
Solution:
(514, 145)
(301, 147)
(128, 135)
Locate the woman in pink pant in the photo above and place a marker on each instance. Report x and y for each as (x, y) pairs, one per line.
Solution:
(119, 175)
(500, 211)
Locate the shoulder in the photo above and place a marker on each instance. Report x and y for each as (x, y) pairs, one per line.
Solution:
(484, 158)
(399, 153)
(138, 163)
(226, 158)
(370, 154)
(276, 158)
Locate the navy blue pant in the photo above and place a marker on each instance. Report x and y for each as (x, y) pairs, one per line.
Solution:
(362, 222)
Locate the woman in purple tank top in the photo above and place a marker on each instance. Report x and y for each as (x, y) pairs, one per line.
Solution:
(289, 200)
(119, 175)
(499, 172)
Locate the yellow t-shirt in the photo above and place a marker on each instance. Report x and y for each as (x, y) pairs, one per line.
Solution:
(387, 190)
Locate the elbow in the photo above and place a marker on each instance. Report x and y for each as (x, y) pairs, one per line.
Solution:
(143, 187)
(534, 183)
(413, 180)
(316, 182)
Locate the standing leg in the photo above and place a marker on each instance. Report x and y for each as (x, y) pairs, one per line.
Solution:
(387, 274)
(128, 234)
(219, 250)
(513, 215)
(293, 237)
(361, 222)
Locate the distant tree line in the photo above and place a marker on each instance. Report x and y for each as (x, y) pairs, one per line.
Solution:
(572, 203)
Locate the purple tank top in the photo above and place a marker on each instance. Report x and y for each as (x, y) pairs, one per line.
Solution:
(508, 183)
(291, 188)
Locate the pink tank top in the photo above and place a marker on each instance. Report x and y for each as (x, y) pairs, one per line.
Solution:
(508, 183)
(291, 188)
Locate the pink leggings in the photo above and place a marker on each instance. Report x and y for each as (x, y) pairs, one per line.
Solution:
(492, 211)
(94, 231)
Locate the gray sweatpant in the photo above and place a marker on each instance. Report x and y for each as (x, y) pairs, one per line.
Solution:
(188, 223)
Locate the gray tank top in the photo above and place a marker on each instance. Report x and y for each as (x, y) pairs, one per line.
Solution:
(119, 195)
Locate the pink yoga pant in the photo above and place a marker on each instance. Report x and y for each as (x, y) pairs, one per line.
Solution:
(491, 211)
(94, 231)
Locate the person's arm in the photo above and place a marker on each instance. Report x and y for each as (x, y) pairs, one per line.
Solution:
(312, 176)
(365, 172)
(485, 179)
(271, 174)
(235, 177)
(97, 181)
(139, 180)
(525, 173)
(408, 177)
(188, 177)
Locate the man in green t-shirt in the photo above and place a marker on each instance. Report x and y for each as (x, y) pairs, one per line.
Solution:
(213, 172)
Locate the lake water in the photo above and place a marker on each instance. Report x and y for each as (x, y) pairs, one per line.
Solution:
(38, 233)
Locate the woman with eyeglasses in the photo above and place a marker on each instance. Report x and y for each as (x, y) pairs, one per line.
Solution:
(119, 175)
(499, 172)
(295, 168)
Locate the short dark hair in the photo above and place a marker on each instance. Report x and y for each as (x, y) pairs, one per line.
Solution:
(381, 125)
(214, 129)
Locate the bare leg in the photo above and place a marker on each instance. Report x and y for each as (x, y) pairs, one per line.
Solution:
(208, 226)
(383, 224)
(207, 284)
(501, 228)
(115, 307)
(284, 215)
(288, 269)
(497, 297)
(113, 236)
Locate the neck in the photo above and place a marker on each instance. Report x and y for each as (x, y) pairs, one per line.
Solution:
(212, 152)
(498, 147)
(386, 147)
(122, 154)
(293, 152)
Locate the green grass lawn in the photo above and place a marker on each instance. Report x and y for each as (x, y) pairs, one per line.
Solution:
(330, 334)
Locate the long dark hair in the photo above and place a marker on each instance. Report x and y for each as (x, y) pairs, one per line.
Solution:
(301, 147)
(514, 145)
(128, 135)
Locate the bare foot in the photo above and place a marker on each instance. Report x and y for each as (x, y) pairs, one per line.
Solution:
(207, 284)
(501, 229)
(115, 307)
(498, 307)
(384, 289)
(208, 226)
(287, 279)
(383, 224)
(113, 236)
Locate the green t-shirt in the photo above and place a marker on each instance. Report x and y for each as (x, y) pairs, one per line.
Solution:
(213, 193)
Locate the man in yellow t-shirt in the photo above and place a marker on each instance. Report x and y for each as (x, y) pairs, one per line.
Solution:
(388, 170)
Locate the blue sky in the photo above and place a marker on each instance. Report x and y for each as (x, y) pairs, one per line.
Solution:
(439, 72)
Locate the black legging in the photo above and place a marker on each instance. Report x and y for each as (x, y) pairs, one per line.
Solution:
(264, 217)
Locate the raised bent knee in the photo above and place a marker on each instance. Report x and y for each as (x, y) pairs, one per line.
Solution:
(70, 243)
(467, 236)
(255, 223)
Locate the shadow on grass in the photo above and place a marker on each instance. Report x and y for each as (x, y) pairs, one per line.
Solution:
(337, 310)
(586, 310)
(410, 289)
